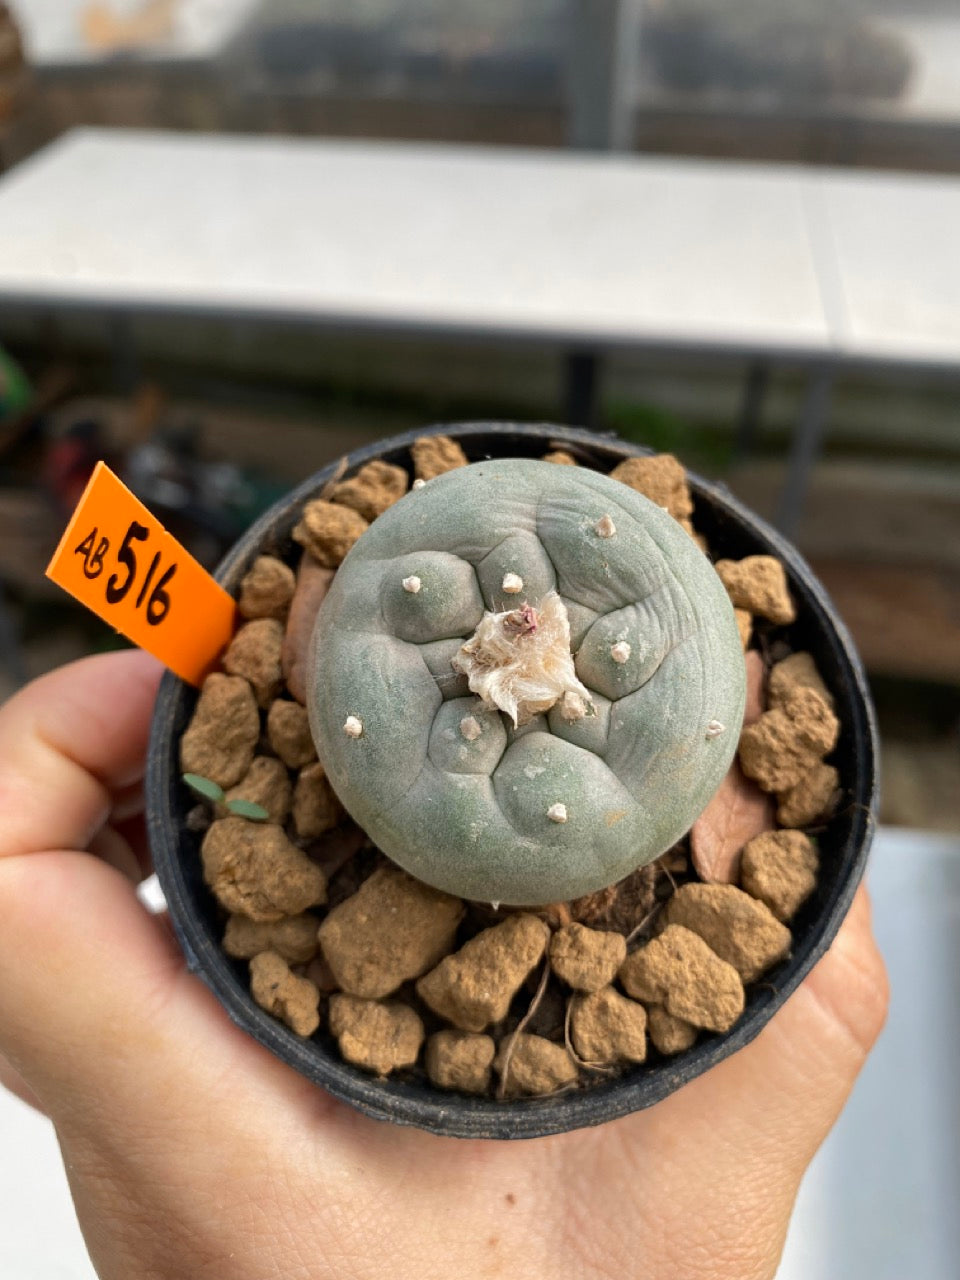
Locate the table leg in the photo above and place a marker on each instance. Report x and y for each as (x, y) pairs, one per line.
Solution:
(602, 69)
(805, 448)
(123, 349)
(754, 394)
(581, 389)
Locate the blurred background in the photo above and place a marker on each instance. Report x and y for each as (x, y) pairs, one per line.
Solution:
(210, 417)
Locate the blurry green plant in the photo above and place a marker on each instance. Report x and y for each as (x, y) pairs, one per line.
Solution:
(15, 389)
(704, 447)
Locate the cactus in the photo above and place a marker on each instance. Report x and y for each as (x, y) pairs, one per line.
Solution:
(525, 682)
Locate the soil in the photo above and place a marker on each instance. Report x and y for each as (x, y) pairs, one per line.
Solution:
(405, 981)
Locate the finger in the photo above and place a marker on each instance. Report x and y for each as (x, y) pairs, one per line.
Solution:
(67, 741)
(110, 847)
(75, 945)
(128, 802)
(134, 833)
(98, 1013)
(84, 972)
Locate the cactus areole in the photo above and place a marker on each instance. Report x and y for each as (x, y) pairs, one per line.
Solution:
(533, 743)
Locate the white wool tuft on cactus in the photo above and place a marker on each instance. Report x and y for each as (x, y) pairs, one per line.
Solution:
(520, 661)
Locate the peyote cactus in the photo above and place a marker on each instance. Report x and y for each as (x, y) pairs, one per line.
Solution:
(525, 682)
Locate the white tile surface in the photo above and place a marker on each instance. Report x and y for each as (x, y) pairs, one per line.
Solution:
(880, 1199)
(474, 239)
(39, 1236)
(879, 1202)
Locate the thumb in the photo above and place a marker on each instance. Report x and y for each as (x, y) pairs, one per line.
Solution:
(97, 1011)
(99, 1015)
(82, 967)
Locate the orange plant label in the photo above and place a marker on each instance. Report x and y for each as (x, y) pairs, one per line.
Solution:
(119, 561)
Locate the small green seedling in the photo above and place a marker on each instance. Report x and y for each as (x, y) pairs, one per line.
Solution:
(213, 792)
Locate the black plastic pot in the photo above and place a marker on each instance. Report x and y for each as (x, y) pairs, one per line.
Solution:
(732, 531)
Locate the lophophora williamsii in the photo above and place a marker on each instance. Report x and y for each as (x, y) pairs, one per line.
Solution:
(525, 682)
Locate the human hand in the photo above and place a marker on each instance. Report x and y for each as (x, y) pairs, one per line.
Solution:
(194, 1154)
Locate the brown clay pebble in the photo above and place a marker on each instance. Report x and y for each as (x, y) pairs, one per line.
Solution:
(266, 589)
(267, 784)
(787, 741)
(378, 1037)
(275, 988)
(740, 930)
(677, 969)
(812, 717)
(328, 530)
(535, 1065)
(621, 907)
(780, 869)
(293, 937)
(334, 852)
(198, 818)
(313, 583)
(254, 653)
(661, 478)
(773, 753)
(316, 808)
(391, 930)
(759, 584)
(586, 959)
(475, 986)
(667, 1033)
(811, 797)
(736, 812)
(288, 732)
(433, 455)
(253, 869)
(375, 487)
(607, 1027)
(756, 702)
(561, 458)
(222, 735)
(744, 619)
(460, 1060)
(799, 670)
(319, 973)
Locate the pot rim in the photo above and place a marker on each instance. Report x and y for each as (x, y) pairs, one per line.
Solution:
(424, 1106)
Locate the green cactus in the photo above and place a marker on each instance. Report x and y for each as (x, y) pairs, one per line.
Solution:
(525, 682)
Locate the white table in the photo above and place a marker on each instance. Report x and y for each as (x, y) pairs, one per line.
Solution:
(491, 242)
(586, 252)
(889, 257)
(879, 1202)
